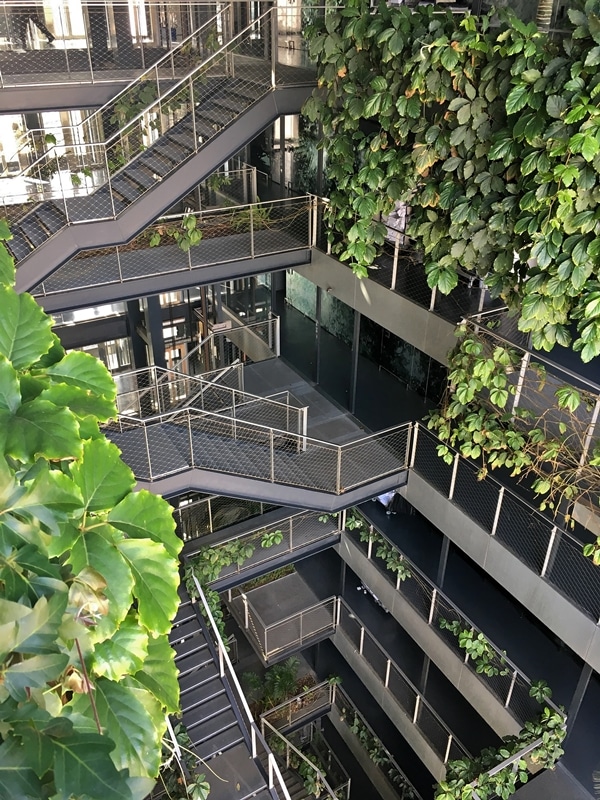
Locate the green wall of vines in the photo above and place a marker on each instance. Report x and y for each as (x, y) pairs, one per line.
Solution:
(490, 131)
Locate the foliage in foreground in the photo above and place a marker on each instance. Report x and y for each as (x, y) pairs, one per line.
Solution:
(89, 577)
(489, 134)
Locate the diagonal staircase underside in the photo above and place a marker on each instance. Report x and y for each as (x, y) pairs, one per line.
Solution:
(257, 462)
(234, 112)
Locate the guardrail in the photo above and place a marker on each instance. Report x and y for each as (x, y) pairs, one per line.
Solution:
(320, 779)
(297, 531)
(258, 744)
(236, 233)
(385, 761)
(501, 676)
(293, 631)
(547, 549)
(416, 708)
(313, 702)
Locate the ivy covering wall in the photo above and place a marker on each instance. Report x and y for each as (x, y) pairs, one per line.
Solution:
(490, 130)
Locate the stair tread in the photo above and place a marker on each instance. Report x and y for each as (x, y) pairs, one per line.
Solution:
(199, 711)
(33, 230)
(192, 675)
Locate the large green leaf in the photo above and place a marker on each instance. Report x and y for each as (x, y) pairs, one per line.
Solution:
(80, 401)
(10, 393)
(25, 333)
(48, 498)
(34, 672)
(156, 579)
(130, 721)
(143, 515)
(123, 653)
(17, 778)
(96, 549)
(83, 767)
(102, 476)
(7, 266)
(36, 631)
(159, 673)
(40, 429)
(86, 372)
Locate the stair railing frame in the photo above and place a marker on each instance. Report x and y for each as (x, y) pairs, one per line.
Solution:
(256, 736)
(316, 770)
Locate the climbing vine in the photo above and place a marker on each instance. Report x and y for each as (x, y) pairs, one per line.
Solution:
(88, 577)
(490, 135)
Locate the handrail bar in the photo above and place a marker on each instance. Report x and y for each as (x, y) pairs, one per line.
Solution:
(297, 697)
(277, 431)
(240, 696)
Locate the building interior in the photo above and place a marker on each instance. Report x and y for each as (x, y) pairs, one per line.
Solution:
(264, 388)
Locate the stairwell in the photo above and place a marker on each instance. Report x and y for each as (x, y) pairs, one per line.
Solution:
(168, 149)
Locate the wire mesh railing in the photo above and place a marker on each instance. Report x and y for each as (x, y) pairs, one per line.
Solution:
(95, 42)
(275, 541)
(493, 667)
(258, 746)
(197, 518)
(238, 233)
(366, 737)
(98, 180)
(553, 553)
(166, 444)
(157, 391)
(315, 701)
(294, 755)
(295, 631)
(399, 687)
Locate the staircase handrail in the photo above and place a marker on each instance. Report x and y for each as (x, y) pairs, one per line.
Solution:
(466, 622)
(225, 666)
(139, 79)
(304, 758)
(204, 384)
(157, 102)
(160, 418)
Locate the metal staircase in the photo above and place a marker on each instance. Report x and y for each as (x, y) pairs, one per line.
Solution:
(136, 175)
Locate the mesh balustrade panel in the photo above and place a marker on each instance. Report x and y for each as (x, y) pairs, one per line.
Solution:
(281, 226)
(225, 445)
(498, 325)
(524, 531)
(433, 730)
(350, 625)
(411, 281)
(443, 611)
(276, 415)
(418, 594)
(456, 751)
(374, 657)
(401, 689)
(523, 706)
(316, 621)
(575, 575)
(462, 300)
(193, 521)
(373, 457)
(498, 684)
(477, 498)
(430, 465)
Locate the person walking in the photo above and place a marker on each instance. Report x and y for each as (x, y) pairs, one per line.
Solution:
(21, 17)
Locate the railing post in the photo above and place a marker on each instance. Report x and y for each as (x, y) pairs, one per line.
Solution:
(549, 552)
(272, 451)
(448, 746)
(453, 479)
(277, 336)
(273, 29)
(148, 452)
(387, 673)
(395, 265)
(315, 220)
(520, 382)
(362, 640)
(110, 191)
(433, 297)
(432, 606)
(246, 615)
(193, 112)
(251, 231)
(510, 689)
(415, 435)
(498, 508)
(589, 434)
(221, 660)
(370, 543)
(338, 477)
(417, 705)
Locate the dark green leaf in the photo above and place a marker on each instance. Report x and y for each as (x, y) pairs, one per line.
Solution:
(25, 333)
(101, 475)
(143, 515)
(83, 766)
